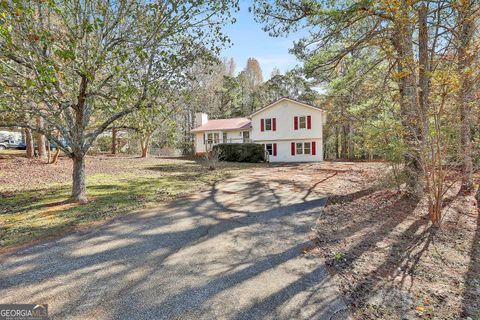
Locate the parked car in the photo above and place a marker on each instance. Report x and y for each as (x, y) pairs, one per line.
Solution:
(53, 145)
(11, 145)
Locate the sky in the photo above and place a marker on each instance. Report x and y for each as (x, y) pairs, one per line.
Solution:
(249, 40)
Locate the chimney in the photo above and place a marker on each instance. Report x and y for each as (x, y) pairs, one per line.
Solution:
(200, 119)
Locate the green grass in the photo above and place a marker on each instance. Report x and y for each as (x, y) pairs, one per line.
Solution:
(6, 154)
(33, 214)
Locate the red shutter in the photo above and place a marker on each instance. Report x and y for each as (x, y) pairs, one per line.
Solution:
(309, 122)
(274, 148)
(295, 123)
(274, 124)
(262, 125)
(314, 150)
(293, 148)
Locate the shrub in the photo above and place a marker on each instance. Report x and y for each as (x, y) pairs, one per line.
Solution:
(102, 144)
(240, 152)
(212, 158)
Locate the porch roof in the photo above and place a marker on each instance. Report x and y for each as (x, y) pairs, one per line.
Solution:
(225, 124)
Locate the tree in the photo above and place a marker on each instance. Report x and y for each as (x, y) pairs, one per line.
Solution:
(146, 122)
(41, 142)
(343, 28)
(428, 48)
(80, 61)
(467, 12)
(275, 72)
(250, 79)
(292, 85)
(253, 72)
(29, 143)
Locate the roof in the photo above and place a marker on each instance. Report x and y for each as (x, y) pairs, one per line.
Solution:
(225, 124)
(288, 99)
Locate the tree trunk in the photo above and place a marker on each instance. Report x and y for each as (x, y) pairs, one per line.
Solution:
(424, 71)
(42, 152)
(145, 144)
(466, 96)
(49, 149)
(337, 146)
(344, 141)
(29, 142)
(57, 151)
(114, 141)
(351, 145)
(55, 155)
(407, 84)
(79, 189)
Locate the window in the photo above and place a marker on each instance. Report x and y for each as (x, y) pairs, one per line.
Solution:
(306, 148)
(268, 124)
(302, 148)
(299, 147)
(269, 148)
(302, 122)
(213, 138)
(224, 137)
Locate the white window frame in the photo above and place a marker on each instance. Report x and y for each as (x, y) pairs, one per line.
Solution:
(301, 149)
(213, 137)
(271, 148)
(309, 148)
(304, 122)
(271, 124)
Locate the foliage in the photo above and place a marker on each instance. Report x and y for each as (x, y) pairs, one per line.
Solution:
(398, 74)
(240, 152)
(82, 67)
(291, 85)
(102, 144)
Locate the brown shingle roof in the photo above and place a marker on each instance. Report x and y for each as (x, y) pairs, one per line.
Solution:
(225, 124)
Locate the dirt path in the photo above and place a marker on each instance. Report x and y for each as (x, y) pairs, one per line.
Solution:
(238, 251)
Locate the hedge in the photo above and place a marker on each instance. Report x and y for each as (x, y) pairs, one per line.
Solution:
(240, 152)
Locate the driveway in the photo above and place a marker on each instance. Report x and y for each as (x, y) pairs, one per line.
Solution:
(240, 250)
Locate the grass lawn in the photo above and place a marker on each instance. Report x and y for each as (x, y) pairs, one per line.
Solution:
(33, 195)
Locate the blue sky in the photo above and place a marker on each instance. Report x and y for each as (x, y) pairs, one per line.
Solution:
(249, 40)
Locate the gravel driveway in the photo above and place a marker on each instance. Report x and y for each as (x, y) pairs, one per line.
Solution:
(240, 250)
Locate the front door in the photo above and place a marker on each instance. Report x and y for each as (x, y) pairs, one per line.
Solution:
(246, 136)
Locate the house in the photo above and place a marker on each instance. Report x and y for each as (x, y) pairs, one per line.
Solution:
(289, 130)
(15, 134)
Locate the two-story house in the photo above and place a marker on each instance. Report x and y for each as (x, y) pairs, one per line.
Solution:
(289, 130)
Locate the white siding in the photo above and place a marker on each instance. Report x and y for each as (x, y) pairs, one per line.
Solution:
(284, 151)
(199, 144)
(233, 136)
(285, 133)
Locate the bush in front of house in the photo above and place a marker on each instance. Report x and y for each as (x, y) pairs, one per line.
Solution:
(240, 152)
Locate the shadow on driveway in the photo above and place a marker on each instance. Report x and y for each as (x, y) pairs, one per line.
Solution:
(237, 251)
